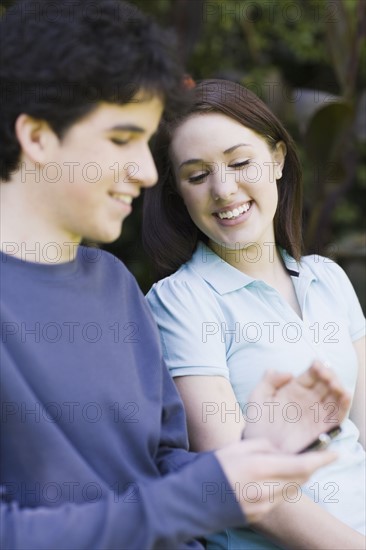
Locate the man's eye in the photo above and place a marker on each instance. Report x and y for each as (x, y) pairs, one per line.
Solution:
(198, 178)
(119, 141)
(239, 164)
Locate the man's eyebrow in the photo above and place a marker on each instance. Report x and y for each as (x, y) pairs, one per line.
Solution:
(127, 128)
(230, 150)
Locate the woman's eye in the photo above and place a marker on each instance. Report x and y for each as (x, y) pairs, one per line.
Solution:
(239, 164)
(198, 178)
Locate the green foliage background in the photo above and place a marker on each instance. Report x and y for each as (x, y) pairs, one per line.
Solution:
(307, 60)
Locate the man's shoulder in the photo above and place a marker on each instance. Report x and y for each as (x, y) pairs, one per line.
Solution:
(98, 260)
(108, 274)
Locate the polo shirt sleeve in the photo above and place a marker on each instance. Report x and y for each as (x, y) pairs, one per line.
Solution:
(189, 321)
(343, 290)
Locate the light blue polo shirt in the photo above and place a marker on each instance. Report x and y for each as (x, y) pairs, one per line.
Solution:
(215, 320)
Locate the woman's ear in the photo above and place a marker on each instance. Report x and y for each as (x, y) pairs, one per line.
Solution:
(279, 156)
(34, 137)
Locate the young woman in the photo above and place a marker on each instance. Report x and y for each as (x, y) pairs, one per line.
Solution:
(223, 226)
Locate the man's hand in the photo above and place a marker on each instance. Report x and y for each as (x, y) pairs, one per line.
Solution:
(262, 477)
(294, 411)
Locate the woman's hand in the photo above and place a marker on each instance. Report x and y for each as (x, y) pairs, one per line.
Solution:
(294, 411)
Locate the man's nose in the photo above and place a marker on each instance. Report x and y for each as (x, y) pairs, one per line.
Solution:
(142, 171)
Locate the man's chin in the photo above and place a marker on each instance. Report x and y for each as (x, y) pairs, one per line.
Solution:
(102, 238)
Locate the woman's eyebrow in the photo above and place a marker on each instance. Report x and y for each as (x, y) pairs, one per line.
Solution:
(227, 152)
(231, 149)
(190, 161)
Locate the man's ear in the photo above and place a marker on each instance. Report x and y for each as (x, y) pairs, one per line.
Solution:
(35, 137)
(279, 156)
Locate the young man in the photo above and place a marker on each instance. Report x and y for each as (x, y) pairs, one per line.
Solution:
(94, 441)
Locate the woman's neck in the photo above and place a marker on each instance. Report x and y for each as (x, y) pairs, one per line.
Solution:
(259, 262)
(264, 263)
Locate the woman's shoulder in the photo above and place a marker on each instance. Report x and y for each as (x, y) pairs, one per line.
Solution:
(324, 269)
(185, 279)
(183, 291)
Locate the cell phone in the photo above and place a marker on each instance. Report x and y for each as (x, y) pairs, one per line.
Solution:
(323, 441)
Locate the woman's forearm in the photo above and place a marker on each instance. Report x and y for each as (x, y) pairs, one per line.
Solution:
(302, 525)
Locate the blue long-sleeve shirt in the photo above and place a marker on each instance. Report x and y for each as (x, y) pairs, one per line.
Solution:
(93, 437)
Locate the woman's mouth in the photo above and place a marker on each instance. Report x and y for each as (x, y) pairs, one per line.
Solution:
(235, 212)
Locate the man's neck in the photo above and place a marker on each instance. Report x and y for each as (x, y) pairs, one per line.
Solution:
(27, 235)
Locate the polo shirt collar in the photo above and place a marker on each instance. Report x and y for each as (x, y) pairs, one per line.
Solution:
(225, 278)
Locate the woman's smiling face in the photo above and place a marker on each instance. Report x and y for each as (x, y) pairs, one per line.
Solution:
(226, 175)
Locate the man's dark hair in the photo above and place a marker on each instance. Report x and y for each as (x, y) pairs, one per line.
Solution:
(58, 60)
(170, 237)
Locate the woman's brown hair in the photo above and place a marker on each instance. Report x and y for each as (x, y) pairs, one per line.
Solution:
(169, 235)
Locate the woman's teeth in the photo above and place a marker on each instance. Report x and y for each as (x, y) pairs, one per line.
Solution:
(229, 214)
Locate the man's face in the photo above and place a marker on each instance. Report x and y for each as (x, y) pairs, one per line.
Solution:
(97, 169)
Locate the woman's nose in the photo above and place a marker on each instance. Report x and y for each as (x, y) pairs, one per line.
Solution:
(224, 185)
